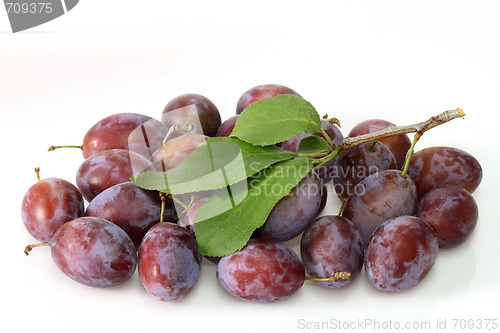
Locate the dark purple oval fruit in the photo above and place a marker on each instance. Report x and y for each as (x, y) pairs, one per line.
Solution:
(332, 244)
(193, 110)
(130, 207)
(107, 168)
(380, 197)
(169, 262)
(400, 253)
(398, 144)
(260, 92)
(452, 212)
(293, 213)
(94, 252)
(434, 167)
(358, 163)
(262, 271)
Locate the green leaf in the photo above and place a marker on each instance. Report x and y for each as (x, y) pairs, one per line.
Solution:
(217, 163)
(273, 120)
(226, 221)
(313, 144)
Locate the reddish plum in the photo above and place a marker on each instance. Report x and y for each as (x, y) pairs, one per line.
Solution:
(192, 112)
(226, 127)
(48, 204)
(137, 132)
(380, 197)
(400, 253)
(434, 167)
(358, 163)
(260, 92)
(332, 244)
(130, 207)
(263, 271)
(293, 213)
(108, 168)
(94, 252)
(452, 212)
(169, 262)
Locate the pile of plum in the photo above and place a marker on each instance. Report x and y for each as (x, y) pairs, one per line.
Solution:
(396, 213)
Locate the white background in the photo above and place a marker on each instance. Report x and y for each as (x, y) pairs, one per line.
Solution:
(403, 61)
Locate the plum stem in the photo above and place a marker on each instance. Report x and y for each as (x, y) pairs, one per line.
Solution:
(320, 154)
(334, 277)
(164, 199)
(182, 204)
(52, 148)
(341, 210)
(37, 171)
(176, 128)
(30, 247)
(327, 158)
(371, 148)
(408, 155)
(327, 137)
(332, 120)
(162, 211)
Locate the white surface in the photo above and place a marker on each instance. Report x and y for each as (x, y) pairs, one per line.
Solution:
(399, 60)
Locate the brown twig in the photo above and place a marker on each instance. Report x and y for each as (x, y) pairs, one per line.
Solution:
(418, 128)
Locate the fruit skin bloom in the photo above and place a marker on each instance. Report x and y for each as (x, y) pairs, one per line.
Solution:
(332, 244)
(169, 262)
(263, 271)
(400, 253)
(48, 204)
(434, 167)
(384, 195)
(294, 212)
(452, 212)
(260, 92)
(95, 252)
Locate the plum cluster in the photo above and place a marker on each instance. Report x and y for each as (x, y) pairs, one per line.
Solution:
(396, 211)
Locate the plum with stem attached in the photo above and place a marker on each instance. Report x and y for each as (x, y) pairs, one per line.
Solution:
(48, 204)
(93, 251)
(131, 131)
